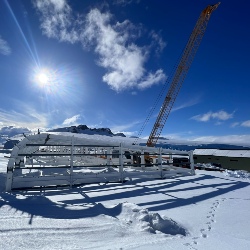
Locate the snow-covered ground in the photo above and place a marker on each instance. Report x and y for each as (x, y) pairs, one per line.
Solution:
(207, 211)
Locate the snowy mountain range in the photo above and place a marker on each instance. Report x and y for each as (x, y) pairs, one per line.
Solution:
(83, 129)
(9, 136)
(8, 132)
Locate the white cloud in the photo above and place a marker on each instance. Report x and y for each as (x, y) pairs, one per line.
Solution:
(187, 104)
(122, 128)
(123, 59)
(152, 78)
(220, 115)
(246, 124)
(189, 138)
(72, 120)
(242, 124)
(157, 40)
(235, 124)
(227, 139)
(59, 4)
(28, 118)
(12, 131)
(56, 20)
(4, 47)
(124, 2)
(128, 133)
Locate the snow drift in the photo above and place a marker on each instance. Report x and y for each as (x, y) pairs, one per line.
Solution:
(143, 220)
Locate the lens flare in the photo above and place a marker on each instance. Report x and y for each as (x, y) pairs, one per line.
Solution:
(43, 78)
(29, 48)
(47, 79)
(57, 85)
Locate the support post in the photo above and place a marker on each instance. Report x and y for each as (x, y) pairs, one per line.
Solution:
(86, 150)
(191, 159)
(108, 156)
(143, 160)
(121, 163)
(160, 161)
(71, 161)
(9, 179)
(98, 151)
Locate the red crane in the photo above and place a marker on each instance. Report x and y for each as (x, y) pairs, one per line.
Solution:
(181, 72)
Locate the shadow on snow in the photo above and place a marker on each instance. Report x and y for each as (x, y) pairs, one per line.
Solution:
(38, 203)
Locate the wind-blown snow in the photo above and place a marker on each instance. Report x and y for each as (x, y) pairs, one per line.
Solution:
(143, 220)
(238, 174)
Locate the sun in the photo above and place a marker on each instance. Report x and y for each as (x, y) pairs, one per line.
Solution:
(43, 78)
(47, 80)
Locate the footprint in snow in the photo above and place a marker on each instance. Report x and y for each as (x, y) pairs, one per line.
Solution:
(204, 235)
(211, 217)
(190, 245)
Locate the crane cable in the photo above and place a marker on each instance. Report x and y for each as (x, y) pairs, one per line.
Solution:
(156, 102)
(179, 76)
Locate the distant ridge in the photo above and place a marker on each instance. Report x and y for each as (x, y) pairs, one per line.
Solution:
(83, 129)
(187, 147)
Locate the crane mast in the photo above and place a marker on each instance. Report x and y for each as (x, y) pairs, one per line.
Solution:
(181, 72)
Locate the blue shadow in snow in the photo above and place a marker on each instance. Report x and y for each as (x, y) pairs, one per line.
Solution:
(37, 203)
(40, 205)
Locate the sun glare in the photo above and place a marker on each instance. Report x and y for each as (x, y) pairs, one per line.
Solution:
(52, 81)
(46, 79)
(43, 78)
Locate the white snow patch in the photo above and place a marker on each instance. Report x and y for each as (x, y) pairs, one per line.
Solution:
(143, 220)
(237, 174)
(209, 210)
(3, 170)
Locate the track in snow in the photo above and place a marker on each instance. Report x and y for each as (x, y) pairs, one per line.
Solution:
(210, 220)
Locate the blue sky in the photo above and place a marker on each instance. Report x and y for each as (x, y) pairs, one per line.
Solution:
(104, 63)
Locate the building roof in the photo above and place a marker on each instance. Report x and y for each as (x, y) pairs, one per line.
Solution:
(30, 144)
(221, 152)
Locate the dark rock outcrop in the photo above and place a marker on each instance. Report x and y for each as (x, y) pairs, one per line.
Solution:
(83, 129)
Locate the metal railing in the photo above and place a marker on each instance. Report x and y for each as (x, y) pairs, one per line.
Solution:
(33, 165)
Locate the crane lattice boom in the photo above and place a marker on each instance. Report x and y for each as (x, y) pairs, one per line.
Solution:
(181, 72)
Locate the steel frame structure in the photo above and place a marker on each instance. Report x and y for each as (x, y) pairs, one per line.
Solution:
(49, 160)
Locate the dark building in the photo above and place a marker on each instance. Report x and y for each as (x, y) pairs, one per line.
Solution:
(229, 159)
